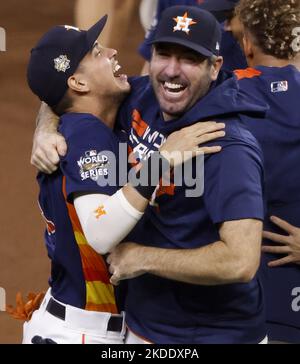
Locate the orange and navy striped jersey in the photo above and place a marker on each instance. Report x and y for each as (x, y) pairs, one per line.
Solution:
(79, 276)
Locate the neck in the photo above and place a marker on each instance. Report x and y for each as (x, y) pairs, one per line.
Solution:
(104, 110)
(261, 59)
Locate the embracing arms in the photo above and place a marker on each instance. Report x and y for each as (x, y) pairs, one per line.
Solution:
(235, 258)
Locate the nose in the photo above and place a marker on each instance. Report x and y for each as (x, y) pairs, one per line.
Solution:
(111, 52)
(172, 68)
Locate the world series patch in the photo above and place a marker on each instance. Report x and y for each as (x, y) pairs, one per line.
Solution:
(93, 165)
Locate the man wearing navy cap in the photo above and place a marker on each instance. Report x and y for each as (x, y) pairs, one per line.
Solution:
(77, 78)
(191, 271)
(223, 10)
(66, 70)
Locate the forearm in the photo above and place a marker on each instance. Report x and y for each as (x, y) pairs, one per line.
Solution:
(214, 264)
(107, 220)
(46, 119)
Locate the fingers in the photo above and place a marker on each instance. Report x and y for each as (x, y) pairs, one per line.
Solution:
(276, 249)
(114, 280)
(61, 146)
(283, 224)
(109, 259)
(208, 150)
(204, 127)
(282, 239)
(51, 155)
(208, 128)
(281, 262)
(41, 162)
(46, 152)
(202, 139)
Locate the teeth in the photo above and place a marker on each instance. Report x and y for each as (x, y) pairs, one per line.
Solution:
(116, 67)
(173, 86)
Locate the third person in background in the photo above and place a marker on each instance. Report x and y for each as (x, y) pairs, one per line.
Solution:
(272, 48)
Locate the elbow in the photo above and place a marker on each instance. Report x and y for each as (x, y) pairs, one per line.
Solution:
(101, 245)
(247, 275)
(246, 271)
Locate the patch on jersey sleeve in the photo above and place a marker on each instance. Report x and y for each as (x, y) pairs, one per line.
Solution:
(279, 86)
(93, 165)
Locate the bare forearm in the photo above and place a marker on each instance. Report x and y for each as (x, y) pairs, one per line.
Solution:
(46, 118)
(213, 264)
(48, 144)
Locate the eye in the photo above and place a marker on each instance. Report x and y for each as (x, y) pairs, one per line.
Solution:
(162, 53)
(191, 58)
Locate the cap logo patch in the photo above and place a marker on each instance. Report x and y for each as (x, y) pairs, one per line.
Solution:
(62, 63)
(183, 23)
(69, 27)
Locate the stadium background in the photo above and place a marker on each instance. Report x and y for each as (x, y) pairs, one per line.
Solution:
(23, 262)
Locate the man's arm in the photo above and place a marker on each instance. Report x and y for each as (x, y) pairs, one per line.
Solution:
(233, 259)
(48, 144)
(289, 244)
(107, 220)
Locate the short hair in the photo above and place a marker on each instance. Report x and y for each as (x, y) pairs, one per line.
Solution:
(273, 24)
(64, 105)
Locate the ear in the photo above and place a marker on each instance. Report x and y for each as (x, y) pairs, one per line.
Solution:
(215, 68)
(78, 84)
(248, 46)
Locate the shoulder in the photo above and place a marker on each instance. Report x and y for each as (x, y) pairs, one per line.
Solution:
(247, 73)
(238, 139)
(82, 125)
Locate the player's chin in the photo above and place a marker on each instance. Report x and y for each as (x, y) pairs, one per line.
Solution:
(122, 83)
(171, 108)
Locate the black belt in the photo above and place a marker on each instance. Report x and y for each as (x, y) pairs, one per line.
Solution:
(115, 323)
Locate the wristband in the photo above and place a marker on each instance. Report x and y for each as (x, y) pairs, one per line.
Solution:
(148, 177)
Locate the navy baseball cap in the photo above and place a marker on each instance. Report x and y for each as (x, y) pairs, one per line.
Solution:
(191, 27)
(219, 8)
(57, 56)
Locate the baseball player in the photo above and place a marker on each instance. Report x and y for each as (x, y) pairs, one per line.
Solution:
(73, 74)
(224, 12)
(201, 254)
(272, 49)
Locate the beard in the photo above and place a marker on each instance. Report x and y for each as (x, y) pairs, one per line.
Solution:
(195, 92)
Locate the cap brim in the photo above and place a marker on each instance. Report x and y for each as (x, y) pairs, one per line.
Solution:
(205, 52)
(94, 32)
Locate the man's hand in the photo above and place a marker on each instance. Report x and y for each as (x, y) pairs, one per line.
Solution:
(186, 143)
(290, 243)
(125, 262)
(48, 144)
